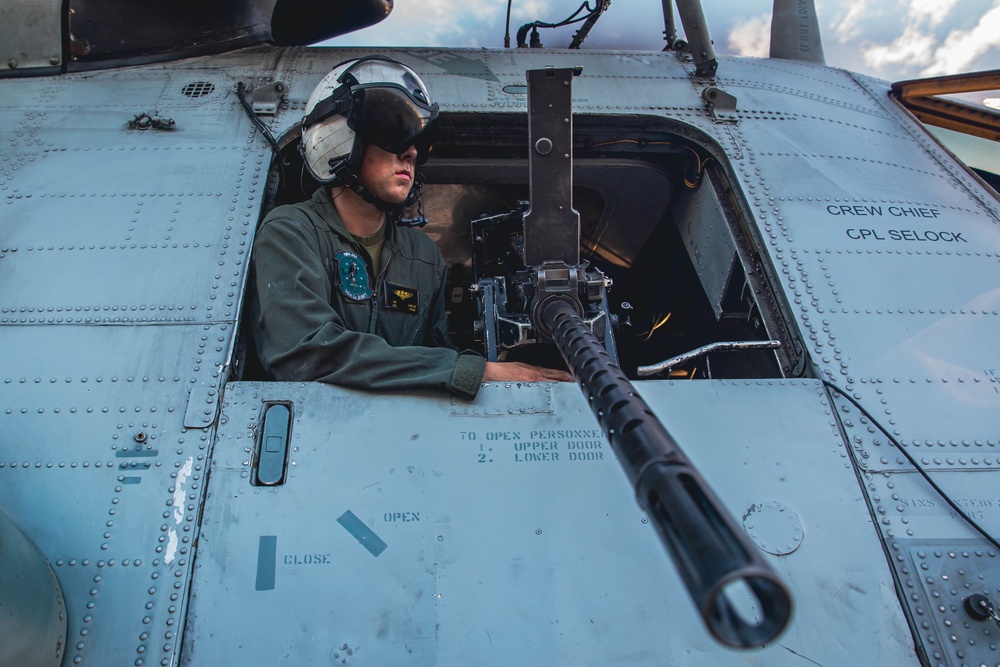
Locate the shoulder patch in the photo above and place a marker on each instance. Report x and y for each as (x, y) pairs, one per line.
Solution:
(352, 276)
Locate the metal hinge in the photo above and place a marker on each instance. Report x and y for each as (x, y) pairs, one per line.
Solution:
(720, 104)
(266, 99)
(203, 403)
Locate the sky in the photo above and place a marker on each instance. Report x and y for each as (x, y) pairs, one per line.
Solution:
(888, 39)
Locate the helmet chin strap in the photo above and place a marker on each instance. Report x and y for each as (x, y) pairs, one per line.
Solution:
(345, 176)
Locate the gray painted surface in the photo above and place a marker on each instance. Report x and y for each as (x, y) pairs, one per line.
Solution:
(30, 35)
(122, 261)
(32, 609)
(516, 540)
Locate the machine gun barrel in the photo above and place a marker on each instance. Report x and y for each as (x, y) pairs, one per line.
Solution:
(707, 547)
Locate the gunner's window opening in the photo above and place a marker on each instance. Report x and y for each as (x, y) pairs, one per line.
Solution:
(656, 217)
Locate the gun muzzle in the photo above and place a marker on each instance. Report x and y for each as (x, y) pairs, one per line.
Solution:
(740, 599)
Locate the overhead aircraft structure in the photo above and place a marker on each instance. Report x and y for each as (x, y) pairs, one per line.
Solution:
(777, 291)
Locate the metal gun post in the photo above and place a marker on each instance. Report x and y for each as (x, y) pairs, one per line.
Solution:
(715, 559)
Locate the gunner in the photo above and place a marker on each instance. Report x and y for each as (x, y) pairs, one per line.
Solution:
(342, 293)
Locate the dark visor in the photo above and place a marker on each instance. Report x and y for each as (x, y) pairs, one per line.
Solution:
(390, 119)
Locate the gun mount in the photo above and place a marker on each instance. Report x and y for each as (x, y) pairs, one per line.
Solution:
(532, 287)
(512, 295)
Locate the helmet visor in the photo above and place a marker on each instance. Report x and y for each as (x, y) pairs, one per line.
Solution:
(393, 120)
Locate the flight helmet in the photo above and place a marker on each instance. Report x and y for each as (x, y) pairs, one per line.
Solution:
(372, 100)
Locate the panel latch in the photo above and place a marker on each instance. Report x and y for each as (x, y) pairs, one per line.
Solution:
(272, 450)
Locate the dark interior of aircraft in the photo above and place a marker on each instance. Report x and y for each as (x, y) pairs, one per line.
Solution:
(630, 186)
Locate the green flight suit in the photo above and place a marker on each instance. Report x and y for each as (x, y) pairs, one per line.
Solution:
(307, 326)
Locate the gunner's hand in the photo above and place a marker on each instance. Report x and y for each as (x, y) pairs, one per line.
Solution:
(515, 371)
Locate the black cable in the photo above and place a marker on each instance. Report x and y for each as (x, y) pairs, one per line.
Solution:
(263, 129)
(572, 18)
(506, 36)
(951, 503)
(600, 7)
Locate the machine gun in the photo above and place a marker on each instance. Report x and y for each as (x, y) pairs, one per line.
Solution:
(531, 288)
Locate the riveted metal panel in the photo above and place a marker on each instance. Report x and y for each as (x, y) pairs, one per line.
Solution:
(802, 138)
(966, 443)
(108, 234)
(87, 372)
(517, 540)
(937, 557)
(914, 332)
(948, 573)
(125, 232)
(708, 241)
(493, 80)
(888, 257)
(98, 469)
(202, 406)
(530, 398)
(33, 622)
(908, 507)
(30, 35)
(887, 253)
(762, 81)
(917, 277)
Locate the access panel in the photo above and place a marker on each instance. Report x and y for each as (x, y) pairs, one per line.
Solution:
(418, 530)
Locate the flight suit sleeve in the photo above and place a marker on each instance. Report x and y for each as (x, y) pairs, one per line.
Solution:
(471, 366)
(300, 336)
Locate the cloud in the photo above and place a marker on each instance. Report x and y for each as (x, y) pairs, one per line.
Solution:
(451, 21)
(532, 10)
(752, 37)
(850, 27)
(934, 12)
(468, 23)
(434, 23)
(920, 45)
(864, 17)
(961, 48)
(890, 39)
(912, 47)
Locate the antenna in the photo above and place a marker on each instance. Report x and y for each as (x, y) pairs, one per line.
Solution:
(795, 32)
(698, 37)
(669, 27)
